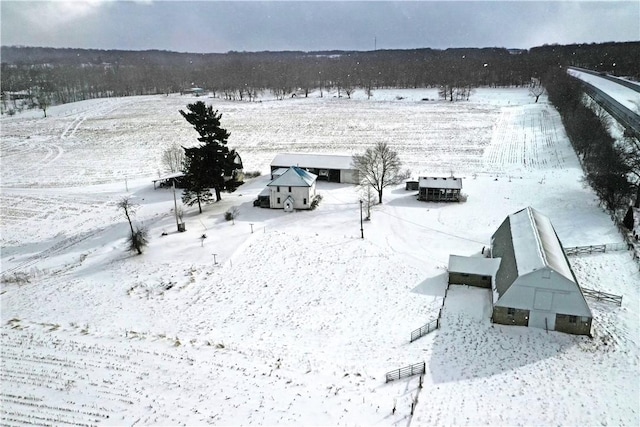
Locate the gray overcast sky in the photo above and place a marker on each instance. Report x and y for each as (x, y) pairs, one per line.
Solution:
(215, 26)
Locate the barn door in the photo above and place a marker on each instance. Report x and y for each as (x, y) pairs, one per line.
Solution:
(541, 316)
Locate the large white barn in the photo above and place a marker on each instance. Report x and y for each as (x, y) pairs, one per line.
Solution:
(327, 167)
(534, 285)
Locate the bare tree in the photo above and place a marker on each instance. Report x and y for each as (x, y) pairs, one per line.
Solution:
(536, 89)
(379, 168)
(139, 236)
(631, 153)
(44, 101)
(173, 158)
(368, 197)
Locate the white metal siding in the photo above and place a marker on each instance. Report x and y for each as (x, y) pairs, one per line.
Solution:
(545, 291)
(297, 193)
(349, 176)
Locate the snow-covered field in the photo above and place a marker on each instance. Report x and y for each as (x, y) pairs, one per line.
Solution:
(293, 318)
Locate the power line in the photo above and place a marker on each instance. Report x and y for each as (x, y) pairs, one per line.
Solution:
(432, 229)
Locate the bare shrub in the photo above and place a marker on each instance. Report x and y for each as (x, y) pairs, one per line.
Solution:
(232, 214)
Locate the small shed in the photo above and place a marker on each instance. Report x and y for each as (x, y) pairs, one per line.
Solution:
(472, 271)
(294, 189)
(411, 186)
(264, 198)
(535, 285)
(168, 180)
(439, 189)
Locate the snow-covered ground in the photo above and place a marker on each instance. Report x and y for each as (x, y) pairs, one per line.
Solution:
(293, 318)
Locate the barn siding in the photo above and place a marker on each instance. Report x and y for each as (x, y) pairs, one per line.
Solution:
(470, 279)
(581, 326)
(501, 315)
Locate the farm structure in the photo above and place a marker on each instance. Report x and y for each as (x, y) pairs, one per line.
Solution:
(294, 189)
(535, 285)
(169, 180)
(439, 189)
(472, 271)
(412, 185)
(331, 168)
(197, 91)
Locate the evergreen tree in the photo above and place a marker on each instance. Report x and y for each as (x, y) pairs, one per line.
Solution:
(212, 164)
(196, 184)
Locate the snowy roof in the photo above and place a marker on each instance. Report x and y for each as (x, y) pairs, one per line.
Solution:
(316, 161)
(278, 172)
(536, 244)
(169, 176)
(473, 265)
(527, 242)
(440, 182)
(294, 177)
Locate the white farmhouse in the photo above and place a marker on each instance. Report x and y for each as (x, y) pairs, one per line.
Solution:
(293, 189)
(534, 285)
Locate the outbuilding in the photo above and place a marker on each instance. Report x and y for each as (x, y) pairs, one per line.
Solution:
(412, 185)
(439, 189)
(535, 285)
(472, 271)
(169, 180)
(327, 167)
(293, 189)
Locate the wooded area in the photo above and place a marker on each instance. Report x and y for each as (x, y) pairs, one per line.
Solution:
(69, 75)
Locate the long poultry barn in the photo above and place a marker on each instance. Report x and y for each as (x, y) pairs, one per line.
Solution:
(327, 167)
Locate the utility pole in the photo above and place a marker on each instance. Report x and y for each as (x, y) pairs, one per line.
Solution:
(175, 204)
(361, 228)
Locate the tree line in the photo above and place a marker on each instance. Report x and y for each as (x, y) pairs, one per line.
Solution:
(69, 75)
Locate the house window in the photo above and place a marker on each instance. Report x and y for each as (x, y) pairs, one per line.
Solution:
(289, 189)
(511, 312)
(304, 201)
(278, 190)
(278, 200)
(573, 319)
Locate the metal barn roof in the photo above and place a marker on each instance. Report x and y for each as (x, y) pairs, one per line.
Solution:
(440, 182)
(526, 242)
(536, 244)
(473, 265)
(316, 161)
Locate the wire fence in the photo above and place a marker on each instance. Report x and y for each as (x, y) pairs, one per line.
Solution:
(407, 371)
(602, 296)
(431, 326)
